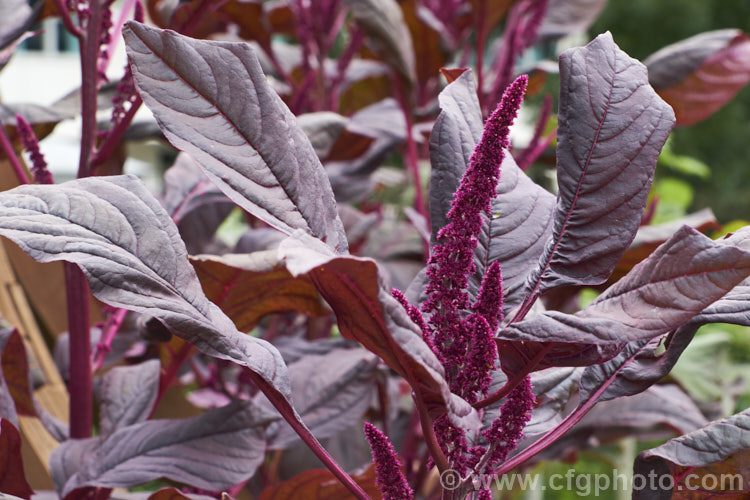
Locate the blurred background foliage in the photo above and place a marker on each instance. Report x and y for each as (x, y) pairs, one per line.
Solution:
(722, 142)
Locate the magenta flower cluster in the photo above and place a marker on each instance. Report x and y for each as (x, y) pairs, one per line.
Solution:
(31, 145)
(462, 333)
(389, 477)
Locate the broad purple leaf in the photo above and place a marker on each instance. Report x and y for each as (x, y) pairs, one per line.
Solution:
(330, 391)
(648, 238)
(721, 449)
(521, 219)
(35, 114)
(734, 307)
(247, 287)
(553, 389)
(67, 459)
(131, 253)
(700, 74)
(680, 279)
(366, 312)
(382, 21)
(212, 451)
(517, 231)
(127, 395)
(16, 16)
(293, 349)
(612, 126)
(432, 40)
(372, 134)
(570, 16)
(212, 100)
(15, 372)
(596, 379)
(42, 119)
(658, 405)
(322, 128)
(662, 409)
(652, 363)
(196, 205)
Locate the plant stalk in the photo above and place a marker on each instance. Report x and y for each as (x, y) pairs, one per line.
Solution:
(108, 334)
(80, 385)
(412, 157)
(557, 432)
(429, 435)
(89, 49)
(511, 383)
(67, 20)
(286, 410)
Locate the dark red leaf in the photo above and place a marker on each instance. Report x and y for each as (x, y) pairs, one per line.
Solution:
(12, 478)
(247, 287)
(15, 371)
(699, 75)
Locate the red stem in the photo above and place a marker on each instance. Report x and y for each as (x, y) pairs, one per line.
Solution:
(80, 385)
(537, 144)
(342, 65)
(511, 383)
(77, 291)
(412, 157)
(67, 20)
(561, 428)
(114, 136)
(10, 153)
(429, 435)
(481, 39)
(89, 87)
(175, 363)
(286, 410)
(105, 342)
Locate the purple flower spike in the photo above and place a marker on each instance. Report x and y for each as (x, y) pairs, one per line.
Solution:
(31, 145)
(507, 430)
(485, 495)
(390, 479)
(474, 377)
(452, 260)
(490, 298)
(453, 443)
(417, 318)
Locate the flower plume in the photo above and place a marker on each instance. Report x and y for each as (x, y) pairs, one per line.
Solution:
(390, 479)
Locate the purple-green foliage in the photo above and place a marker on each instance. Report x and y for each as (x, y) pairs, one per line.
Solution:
(492, 375)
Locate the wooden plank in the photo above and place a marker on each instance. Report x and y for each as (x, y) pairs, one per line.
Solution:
(52, 395)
